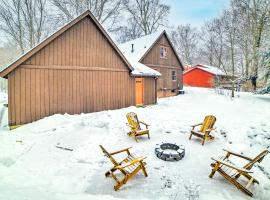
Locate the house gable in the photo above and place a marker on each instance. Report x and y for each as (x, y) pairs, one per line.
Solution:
(80, 43)
(83, 45)
(152, 56)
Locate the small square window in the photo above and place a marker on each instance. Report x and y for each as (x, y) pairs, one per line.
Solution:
(163, 52)
(174, 75)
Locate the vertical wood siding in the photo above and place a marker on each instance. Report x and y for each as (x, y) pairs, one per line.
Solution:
(78, 72)
(71, 91)
(153, 56)
(81, 45)
(164, 66)
(150, 96)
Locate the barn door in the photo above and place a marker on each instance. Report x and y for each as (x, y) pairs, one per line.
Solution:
(139, 91)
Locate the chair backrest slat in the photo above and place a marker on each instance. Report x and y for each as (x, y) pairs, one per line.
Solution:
(258, 158)
(108, 155)
(208, 123)
(133, 121)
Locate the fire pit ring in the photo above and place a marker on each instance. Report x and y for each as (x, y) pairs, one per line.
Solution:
(170, 152)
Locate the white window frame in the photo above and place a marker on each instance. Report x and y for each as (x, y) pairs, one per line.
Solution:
(174, 76)
(163, 52)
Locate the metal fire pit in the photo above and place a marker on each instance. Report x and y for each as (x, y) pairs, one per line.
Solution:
(170, 152)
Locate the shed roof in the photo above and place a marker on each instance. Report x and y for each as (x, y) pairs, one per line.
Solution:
(142, 45)
(210, 69)
(142, 70)
(49, 39)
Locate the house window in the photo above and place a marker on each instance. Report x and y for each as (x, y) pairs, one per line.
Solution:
(174, 75)
(163, 52)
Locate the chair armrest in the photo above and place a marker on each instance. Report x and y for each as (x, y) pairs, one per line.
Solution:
(127, 164)
(120, 151)
(232, 166)
(210, 129)
(196, 125)
(144, 124)
(129, 125)
(238, 155)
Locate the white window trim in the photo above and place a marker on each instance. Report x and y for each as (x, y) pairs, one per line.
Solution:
(165, 56)
(175, 75)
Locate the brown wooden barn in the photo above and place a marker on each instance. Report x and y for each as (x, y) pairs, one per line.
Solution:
(157, 52)
(78, 69)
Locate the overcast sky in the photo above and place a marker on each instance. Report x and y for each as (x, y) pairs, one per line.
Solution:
(194, 12)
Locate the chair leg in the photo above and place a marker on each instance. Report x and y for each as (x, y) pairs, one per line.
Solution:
(203, 141)
(190, 136)
(135, 137)
(120, 183)
(143, 169)
(108, 173)
(148, 136)
(235, 183)
(128, 133)
(215, 167)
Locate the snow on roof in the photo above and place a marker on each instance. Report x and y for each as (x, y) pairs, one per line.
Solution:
(141, 69)
(213, 70)
(210, 69)
(141, 46)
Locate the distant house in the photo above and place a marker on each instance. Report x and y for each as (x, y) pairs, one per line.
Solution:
(202, 76)
(78, 69)
(157, 52)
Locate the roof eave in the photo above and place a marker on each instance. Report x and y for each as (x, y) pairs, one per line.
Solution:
(145, 75)
(186, 72)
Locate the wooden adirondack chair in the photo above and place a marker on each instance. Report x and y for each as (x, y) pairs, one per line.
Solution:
(232, 173)
(134, 124)
(128, 167)
(206, 128)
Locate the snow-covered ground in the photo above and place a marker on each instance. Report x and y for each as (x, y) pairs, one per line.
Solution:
(31, 167)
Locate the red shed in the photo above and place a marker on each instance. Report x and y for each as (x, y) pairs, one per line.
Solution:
(202, 76)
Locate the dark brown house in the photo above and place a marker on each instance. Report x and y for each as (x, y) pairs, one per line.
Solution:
(78, 69)
(157, 52)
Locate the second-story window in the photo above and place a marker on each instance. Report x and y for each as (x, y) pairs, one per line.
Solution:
(174, 75)
(163, 52)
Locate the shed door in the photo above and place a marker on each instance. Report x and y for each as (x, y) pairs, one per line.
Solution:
(139, 91)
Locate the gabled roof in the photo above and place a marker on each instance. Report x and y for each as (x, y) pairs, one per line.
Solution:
(210, 69)
(142, 70)
(49, 39)
(142, 45)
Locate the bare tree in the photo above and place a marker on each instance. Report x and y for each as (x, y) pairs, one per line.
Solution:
(266, 64)
(130, 32)
(258, 15)
(185, 39)
(11, 21)
(24, 21)
(244, 38)
(236, 40)
(148, 14)
(207, 49)
(213, 43)
(103, 10)
(230, 24)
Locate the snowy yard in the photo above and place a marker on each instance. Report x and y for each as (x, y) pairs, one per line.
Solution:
(31, 167)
